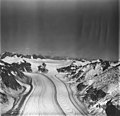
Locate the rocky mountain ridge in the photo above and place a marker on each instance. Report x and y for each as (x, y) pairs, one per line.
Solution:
(13, 83)
(95, 83)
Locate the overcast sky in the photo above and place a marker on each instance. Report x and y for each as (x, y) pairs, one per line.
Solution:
(77, 28)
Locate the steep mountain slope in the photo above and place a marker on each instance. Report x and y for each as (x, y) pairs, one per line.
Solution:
(94, 83)
(13, 83)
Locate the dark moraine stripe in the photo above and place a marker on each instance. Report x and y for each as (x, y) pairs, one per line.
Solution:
(55, 93)
(73, 100)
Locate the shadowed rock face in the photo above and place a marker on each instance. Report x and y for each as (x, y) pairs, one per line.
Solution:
(9, 80)
(80, 86)
(95, 94)
(42, 68)
(23, 66)
(3, 98)
(105, 64)
(6, 54)
(8, 75)
(69, 69)
(111, 110)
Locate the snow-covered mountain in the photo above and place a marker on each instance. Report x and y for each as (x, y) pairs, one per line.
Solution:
(11, 54)
(93, 82)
